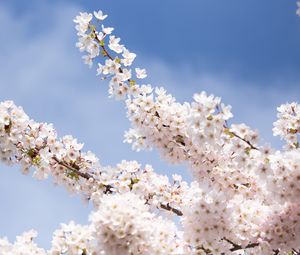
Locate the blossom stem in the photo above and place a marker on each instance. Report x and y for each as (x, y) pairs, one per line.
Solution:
(246, 141)
(108, 190)
(75, 170)
(237, 247)
(171, 209)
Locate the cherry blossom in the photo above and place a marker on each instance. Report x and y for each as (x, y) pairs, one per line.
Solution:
(244, 196)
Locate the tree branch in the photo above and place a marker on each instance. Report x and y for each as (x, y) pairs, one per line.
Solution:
(109, 187)
(237, 247)
(246, 141)
(75, 170)
(171, 209)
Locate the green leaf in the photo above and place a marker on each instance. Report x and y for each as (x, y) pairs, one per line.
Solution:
(36, 160)
(228, 132)
(293, 130)
(133, 181)
(92, 35)
(103, 52)
(92, 27)
(101, 186)
(31, 153)
(247, 150)
(132, 83)
(73, 175)
(210, 117)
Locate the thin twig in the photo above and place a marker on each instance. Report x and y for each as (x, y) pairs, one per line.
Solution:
(237, 247)
(72, 168)
(109, 187)
(171, 209)
(246, 141)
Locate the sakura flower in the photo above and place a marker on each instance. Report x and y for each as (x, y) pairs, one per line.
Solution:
(83, 21)
(140, 73)
(88, 60)
(114, 44)
(128, 57)
(99, 15)
(100, 69)
(107, 30)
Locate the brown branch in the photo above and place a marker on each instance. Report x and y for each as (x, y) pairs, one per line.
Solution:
(105, 51)
(72, 168)
(207, 251)
(295, 252)
(239, 137)
(92, 28)
(237, 247)
(246, 141)
(109, 187)
(171, 209)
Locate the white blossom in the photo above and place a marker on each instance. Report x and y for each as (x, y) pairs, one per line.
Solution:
(114, 44)
(140, 73)
(244, 195)
(99, 15)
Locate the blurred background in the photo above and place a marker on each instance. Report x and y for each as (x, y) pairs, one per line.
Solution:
(247, 52)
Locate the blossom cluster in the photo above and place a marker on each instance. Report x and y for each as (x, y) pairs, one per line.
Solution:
(23, 245)
(244, 196)
(33, 144)
(73, 239)
(36, 145)
(288, 124)
(238, 183)
(127, 230)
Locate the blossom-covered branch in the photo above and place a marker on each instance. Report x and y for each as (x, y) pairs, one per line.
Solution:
(230, 167)
(33, 144)
(245, 196)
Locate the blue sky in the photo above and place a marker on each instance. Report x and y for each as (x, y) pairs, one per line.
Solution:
(247, 52)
